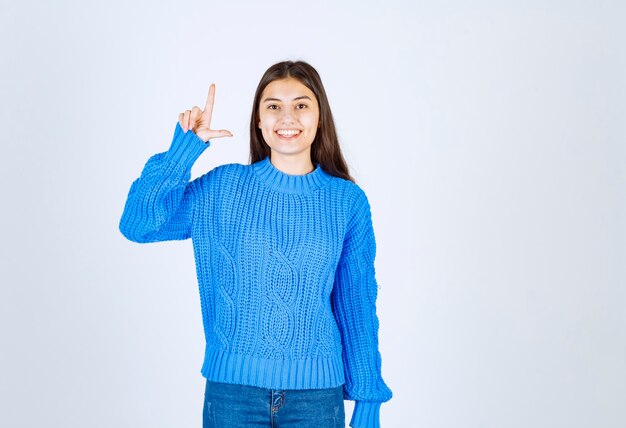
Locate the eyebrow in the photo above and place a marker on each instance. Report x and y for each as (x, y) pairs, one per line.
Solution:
(295, 99)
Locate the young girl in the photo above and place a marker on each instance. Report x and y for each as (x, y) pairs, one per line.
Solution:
(284, 250)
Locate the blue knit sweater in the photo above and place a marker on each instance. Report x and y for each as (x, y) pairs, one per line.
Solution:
(285, 268)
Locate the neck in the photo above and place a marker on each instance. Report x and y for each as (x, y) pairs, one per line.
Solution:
(284, 182)
(293, 165)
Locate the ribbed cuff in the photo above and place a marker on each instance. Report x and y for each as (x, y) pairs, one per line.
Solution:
(185, 147)
(366, 414)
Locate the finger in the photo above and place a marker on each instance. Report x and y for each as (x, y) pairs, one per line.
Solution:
(208, 107)
(181, 118)
(186, 120)
(220, 133)
(193, 117)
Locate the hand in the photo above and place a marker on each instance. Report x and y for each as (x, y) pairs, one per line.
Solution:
(199, 121)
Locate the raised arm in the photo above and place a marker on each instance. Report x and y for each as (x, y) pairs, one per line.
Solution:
(354, 305)
(160, 203)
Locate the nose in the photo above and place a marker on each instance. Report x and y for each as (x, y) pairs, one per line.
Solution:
(287, 115)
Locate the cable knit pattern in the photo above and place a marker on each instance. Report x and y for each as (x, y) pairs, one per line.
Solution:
(285, 268)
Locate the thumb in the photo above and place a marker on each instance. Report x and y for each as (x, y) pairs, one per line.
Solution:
(221, 133)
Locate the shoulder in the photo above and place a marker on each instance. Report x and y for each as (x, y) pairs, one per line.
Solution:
(231, 169)
(220, 171)
(217, 178)
(351, 200)
(345, 187)
(350, 193)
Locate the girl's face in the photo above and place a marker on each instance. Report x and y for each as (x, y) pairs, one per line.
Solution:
(288, 117)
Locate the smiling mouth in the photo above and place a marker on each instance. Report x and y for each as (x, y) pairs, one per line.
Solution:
(288, 133)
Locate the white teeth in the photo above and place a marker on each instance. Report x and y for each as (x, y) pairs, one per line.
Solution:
(288, 132)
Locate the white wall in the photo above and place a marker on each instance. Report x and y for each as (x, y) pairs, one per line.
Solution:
(490, 139)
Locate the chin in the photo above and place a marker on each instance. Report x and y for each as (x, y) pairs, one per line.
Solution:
(290, 150)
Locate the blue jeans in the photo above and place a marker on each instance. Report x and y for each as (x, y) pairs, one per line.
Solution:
(234, 406)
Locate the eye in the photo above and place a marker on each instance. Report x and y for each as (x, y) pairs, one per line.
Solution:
(301, 106)
(272, 107)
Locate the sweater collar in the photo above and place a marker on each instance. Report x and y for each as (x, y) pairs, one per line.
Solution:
(288, 183)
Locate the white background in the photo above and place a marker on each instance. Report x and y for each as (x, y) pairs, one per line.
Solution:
(489, 137)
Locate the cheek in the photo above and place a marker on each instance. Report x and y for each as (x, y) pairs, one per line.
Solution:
(267, 128)
(307, 117)
(265, 132)
(313, 129)
(313, 121)
(267, 118)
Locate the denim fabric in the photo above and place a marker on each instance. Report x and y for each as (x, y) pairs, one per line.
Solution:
(234, 406)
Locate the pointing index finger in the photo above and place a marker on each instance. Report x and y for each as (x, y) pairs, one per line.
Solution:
(208, 107)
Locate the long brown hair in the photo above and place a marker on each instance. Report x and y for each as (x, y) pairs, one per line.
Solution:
(325, 148)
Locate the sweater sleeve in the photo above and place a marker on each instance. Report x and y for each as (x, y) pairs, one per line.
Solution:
(160, 202)
(354, 306)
